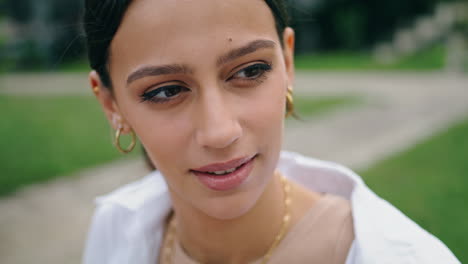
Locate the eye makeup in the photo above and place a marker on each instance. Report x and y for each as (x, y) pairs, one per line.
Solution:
(254, 73)
(163, 94)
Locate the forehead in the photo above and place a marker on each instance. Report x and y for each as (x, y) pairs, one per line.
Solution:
(168, 30)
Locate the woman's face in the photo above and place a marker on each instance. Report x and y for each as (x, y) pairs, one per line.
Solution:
(203, 85)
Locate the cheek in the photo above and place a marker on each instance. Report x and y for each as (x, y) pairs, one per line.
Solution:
(156, 132)
(266, 110)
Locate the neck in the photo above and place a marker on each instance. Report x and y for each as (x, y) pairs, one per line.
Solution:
(210, 240)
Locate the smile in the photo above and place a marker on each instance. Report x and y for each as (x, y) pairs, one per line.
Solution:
(225, 176)
(223, 172)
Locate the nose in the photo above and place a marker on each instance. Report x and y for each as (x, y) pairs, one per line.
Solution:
(218, 125)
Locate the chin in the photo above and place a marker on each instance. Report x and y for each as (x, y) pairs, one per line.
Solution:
(233, 206)
(239, 202)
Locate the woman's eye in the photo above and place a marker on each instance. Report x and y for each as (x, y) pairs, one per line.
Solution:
(253, 71)
(163, 94)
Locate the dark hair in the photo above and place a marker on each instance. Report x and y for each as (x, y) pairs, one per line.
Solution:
(102, 19)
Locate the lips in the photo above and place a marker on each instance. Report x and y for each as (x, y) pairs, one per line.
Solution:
(225, 176)
(224, 166)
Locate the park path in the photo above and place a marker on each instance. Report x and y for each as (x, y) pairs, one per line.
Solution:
(48, 223)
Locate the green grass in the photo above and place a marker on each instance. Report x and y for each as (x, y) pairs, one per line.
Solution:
(429, 183)
(43, 138)
(76, 66)
(46, 137)
(429, 59)
(306, 106)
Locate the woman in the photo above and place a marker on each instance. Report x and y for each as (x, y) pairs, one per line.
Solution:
(204, 85)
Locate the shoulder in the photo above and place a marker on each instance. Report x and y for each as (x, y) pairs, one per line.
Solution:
(385, 233)
(382, 233)
(125, 215)
(134, 195)
(318, 175)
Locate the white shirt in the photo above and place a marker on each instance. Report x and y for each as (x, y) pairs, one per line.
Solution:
(128, 223)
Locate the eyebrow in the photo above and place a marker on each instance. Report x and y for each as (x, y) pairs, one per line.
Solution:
(183, 69)
(247, 49)
(158, 70)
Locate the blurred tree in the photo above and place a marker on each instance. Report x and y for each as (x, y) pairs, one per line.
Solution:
(18, 10)
(351, 24)
(2, 7)
(47, 32)
(65, 21)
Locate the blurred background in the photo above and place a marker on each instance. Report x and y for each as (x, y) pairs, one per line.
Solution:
(381, 87)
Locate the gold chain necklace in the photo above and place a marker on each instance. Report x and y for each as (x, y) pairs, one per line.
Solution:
(168, 250)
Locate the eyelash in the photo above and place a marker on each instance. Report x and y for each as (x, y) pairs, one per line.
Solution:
(258, 78)
(151, 95)
(263, 67)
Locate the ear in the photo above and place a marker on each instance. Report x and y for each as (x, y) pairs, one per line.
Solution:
(288, 51)
(107, 100)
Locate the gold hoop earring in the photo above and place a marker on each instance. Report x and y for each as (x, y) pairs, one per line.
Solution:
(289, 102)
(118, 132)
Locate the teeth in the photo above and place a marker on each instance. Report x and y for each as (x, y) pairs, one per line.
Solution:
(223, 172)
